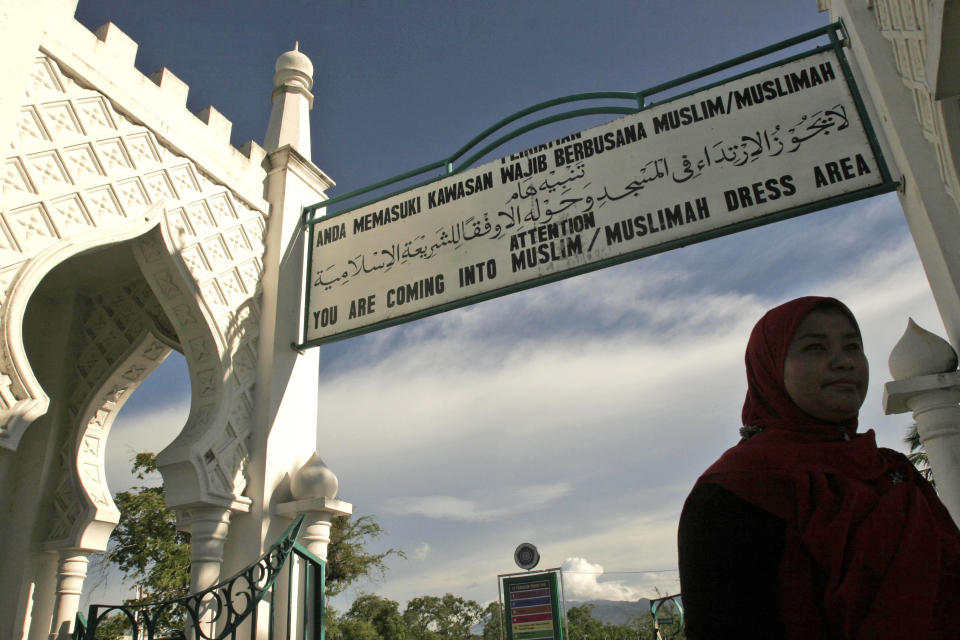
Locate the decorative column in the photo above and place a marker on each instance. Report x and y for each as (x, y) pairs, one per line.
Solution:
(71, 572)
(926, 382)
(314, 490)
(208, 527)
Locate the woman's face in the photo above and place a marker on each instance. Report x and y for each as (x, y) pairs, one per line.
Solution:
(826, 372)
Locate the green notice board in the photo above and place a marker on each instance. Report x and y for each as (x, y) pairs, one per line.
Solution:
(532, 607)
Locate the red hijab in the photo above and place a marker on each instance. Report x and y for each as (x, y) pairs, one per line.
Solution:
(870, 552)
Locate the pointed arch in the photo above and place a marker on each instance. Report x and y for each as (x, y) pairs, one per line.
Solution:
(84, 514)
(17, 416)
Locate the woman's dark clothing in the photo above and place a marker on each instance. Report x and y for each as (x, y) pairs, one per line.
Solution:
(868, 550)
(729, 564)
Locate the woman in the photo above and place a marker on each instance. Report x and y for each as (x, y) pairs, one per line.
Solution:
(805, 529)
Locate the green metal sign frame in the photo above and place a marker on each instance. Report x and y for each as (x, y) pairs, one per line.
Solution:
(534, 582)
(460, 161)
(655, 606)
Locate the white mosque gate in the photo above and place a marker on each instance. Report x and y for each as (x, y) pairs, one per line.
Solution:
(130, 227)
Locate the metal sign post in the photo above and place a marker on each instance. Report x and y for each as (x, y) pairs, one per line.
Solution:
(532, 605)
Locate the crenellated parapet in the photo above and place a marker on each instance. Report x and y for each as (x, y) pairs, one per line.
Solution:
(103, 154)
(130, 227)
(105, 62)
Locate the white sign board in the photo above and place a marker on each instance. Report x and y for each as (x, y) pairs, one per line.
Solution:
(782, 139)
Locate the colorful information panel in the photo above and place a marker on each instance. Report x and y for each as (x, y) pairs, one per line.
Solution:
(532, 607)
(782, 141)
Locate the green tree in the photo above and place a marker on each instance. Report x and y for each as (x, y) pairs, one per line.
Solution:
(357, 630)
(493, 622)
(581, 625)
(331, 622)
(449, 617)
(382, 613)
(918, 453)
(146, 545)
(113, 627)
(348, 559)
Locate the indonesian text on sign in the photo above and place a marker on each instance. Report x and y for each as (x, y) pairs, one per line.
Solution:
(780, 139)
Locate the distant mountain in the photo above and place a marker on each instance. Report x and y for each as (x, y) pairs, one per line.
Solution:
(615, 611)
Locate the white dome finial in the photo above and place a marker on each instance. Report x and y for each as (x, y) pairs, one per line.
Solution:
(293, 69)
(314, 480)
(920, 353)
(289, 117)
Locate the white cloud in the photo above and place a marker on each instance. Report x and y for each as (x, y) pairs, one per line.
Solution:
(626, 411)
(421, 552)
(531, 498)
(138, 431)
(575, 416)
(581, 581)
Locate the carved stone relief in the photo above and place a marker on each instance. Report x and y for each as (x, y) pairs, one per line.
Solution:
(903, 23)
(121, 340)
(80, 174)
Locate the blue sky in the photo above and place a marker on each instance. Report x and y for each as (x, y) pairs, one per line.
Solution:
(576, 415)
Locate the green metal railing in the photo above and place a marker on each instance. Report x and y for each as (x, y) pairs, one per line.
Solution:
(232, 608)
(79, 627)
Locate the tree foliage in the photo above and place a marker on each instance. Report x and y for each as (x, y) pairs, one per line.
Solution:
(581, 625)
(493, 622)
(425, 618)
(382, 613)
(918, 453)
(358, 630)
(114, 627)
(447, 618)
(146, 545)
(348, 559)
(374, 617)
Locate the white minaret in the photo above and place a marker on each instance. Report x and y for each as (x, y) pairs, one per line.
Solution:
(292, 101)
(284, 436)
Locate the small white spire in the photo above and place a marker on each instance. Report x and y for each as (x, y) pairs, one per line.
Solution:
(920, 353)
(292, 101)
(314, 480)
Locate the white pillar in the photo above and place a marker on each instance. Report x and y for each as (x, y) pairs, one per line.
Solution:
(313, 489)
(938, 422)
(71, 573)
(208, 531)
(285, 420)
(926, 383)
(208, 526)
(40, 596)
(315, 533)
